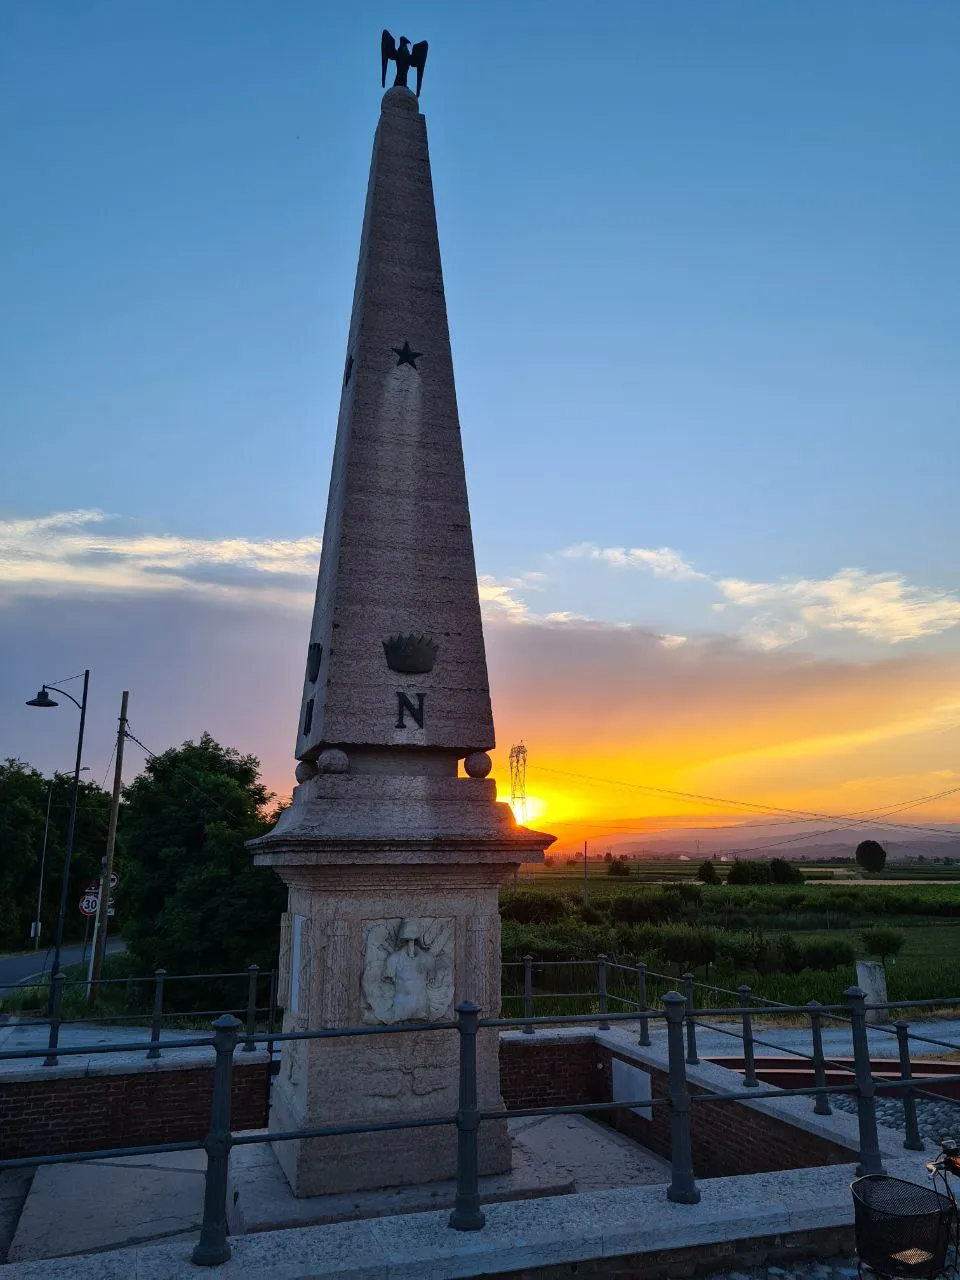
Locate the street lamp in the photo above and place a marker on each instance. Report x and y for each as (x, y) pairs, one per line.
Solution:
(43, 699)
(43, 851)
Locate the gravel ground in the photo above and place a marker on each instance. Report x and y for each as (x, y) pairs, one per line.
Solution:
(935, 1119)
(833, 1269)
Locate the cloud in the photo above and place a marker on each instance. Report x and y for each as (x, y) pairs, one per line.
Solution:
(499, 600)
(88, 550)
(662, 562)
(881, 606)
(91, 551)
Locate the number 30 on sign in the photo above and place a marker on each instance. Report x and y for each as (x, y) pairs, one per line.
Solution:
(88, 903)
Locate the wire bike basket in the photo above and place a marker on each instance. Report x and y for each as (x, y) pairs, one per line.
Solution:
(901, 1229)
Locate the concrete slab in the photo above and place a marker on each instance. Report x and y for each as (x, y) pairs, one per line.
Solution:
(546, 1159)
(104, 1204)
(555, 1230)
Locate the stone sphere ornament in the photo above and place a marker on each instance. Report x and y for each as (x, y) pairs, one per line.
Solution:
(333, 760)
(477, 764)
(306, 770)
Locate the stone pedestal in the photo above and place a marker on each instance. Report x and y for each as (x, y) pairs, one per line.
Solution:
(872, 980)
(382, 930)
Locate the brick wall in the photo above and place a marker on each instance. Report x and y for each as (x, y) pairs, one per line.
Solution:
(53, 1114)
(728, 1138)
(537, 1073)
(725, 1256)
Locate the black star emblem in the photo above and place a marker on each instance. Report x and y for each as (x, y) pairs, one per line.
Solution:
(405, 355)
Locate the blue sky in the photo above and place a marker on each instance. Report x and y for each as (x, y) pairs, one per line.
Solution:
(702, 272)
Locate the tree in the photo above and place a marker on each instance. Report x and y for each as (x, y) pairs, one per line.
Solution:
(882, 941)
(742, 872)
(194, 900)
(784, 872)
(871, 856)
(688, 947)
(707, 873)
(23, 810)
(618, 867)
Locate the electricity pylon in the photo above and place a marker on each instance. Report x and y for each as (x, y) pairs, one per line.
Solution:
(518, 782)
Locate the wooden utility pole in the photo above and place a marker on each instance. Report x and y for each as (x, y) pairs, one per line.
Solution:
(100, 928)
(585, 890)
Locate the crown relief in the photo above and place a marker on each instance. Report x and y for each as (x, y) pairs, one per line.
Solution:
(410, 655)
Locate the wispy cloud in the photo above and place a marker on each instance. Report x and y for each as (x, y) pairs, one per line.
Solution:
(881, 606)
(662, 562)
(89, 550)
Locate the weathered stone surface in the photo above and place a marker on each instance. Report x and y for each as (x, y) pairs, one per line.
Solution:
(397, 548)
(393, 862)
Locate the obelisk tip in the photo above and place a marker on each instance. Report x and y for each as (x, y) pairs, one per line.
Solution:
(399, 98)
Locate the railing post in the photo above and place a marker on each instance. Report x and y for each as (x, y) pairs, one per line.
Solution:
(602, 990)
(750, 1080)
(821, 1106)
(272, 1003)
(212, 1247)
(692, 1058)
(913, 1141)
(254, 972)
(683, 1187)
(56, 996)
(467, 1214)
(156, 1021)
(528, 992)
(642, 1001)
(870, 1161)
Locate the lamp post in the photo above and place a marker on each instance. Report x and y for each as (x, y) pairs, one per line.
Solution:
(43, 699)
(43, 855)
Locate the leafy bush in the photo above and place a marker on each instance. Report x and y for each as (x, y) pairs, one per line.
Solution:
(707, 872)
(689, 894)
(590, 914)
(651, 907)
(618, 867)
(688, 947)
(882, 941)
(748, 872)
(784, 872)
(533, 907)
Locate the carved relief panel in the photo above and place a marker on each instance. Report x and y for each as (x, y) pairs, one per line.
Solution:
(407, 970)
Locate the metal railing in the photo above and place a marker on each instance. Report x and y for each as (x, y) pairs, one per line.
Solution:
(467, 1215)
(158, 1010)
(746, 1010)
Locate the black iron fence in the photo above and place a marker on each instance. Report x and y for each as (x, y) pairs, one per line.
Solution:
(679, 1017)
(149, 1000)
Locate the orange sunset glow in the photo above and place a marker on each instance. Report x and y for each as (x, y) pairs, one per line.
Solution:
(778, 730)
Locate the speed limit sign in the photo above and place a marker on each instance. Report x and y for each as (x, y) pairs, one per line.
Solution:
(88, 903)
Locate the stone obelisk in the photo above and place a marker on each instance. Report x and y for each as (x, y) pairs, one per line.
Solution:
(393, 860)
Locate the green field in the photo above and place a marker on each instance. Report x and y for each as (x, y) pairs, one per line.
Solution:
(788, 943)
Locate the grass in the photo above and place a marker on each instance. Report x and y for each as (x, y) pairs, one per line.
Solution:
(928, 966)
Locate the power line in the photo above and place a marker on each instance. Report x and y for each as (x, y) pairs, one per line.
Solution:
(807, 815)
(107, 769)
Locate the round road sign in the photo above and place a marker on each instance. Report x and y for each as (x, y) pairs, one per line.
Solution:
(88, 904)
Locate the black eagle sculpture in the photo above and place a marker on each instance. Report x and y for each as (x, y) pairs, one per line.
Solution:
(404, 57)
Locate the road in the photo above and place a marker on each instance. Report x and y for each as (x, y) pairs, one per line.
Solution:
(16, 969)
